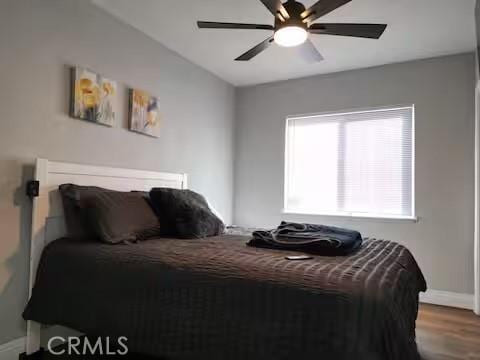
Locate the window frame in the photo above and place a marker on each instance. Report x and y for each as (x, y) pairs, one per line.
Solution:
(352, 215)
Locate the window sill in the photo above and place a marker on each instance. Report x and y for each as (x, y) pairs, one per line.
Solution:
(413, 219)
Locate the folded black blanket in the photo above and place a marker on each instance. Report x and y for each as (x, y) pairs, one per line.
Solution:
(309, 238)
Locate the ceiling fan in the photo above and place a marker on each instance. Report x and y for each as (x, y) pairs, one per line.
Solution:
(294, 22)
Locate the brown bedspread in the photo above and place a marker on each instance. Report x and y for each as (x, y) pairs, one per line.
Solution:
(216, 298)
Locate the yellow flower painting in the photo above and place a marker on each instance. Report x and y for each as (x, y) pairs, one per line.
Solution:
(93, 97)
(144, 113)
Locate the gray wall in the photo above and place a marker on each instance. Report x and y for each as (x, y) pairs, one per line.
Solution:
(442, 90)
(38, 41)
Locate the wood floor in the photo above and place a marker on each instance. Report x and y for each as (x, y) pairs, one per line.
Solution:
(448, 334)
(442, 334)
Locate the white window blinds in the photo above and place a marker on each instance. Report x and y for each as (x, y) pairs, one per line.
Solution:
(357, 163)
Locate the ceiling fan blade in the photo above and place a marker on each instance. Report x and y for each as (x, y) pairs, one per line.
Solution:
(371, 31)
(309, 52)
(321, 8)
(276, 8)
(224, 25)
(256, 50)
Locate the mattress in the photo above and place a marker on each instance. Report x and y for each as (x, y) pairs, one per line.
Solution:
(217, 298)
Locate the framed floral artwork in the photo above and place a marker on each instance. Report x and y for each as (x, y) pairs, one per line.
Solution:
(93, 97)
(144, 114)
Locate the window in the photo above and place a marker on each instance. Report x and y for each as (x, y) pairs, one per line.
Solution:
(358, 163)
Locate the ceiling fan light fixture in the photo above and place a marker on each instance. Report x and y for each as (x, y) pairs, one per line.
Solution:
(294, 24)
(290, 36)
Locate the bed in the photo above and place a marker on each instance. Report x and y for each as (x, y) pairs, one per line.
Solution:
(217, 298)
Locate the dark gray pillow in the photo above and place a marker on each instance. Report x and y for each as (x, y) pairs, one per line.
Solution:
(111, 216)
(74, 198)
(122, 217)
(184, 213)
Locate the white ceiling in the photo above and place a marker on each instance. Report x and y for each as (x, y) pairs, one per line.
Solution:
(416, 29)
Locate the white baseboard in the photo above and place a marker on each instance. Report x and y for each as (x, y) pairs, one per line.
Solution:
(447, 298)
(12, 349)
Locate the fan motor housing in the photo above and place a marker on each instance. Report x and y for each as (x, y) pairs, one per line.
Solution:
(294, 9)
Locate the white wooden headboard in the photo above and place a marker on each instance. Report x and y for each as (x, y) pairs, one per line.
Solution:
(48, 222)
